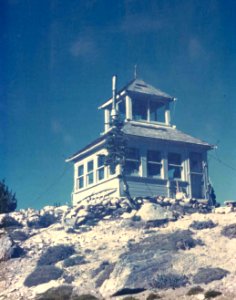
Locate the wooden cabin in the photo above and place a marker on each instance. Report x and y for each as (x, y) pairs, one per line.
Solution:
(160, 161)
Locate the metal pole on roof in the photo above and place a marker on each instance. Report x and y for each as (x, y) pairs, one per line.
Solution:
(114, 113)
(135, 71)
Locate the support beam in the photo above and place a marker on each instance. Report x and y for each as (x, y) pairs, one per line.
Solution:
(128, 104)
(107, 119)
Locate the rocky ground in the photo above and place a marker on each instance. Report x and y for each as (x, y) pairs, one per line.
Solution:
(108, 249)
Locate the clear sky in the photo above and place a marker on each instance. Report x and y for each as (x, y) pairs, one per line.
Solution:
(57, 60)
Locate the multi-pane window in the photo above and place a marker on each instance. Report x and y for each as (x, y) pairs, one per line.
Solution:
(132, 163)
(196, 162)
(80, 179)
(174, 166)
(154, 164)
(90, 172)
(100, 167)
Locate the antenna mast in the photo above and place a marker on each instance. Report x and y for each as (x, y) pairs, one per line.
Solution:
(114, 112)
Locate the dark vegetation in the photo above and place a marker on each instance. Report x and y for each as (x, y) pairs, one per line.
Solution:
(171, 280)
(127, 291)
(55, 254)
(74, 261)
(8, 200)
(8, 222)
(206, 275)
(62, 292)
(43, 221)
(178, 240)
(229, 231)
(212, 294)
(199, 225)
(153, 296)
(195, 290)
(43, 274)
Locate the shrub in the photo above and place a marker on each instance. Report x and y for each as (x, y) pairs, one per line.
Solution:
(8, 221)
(229, 231)
(43, 274)
(62, 292)
(166, 281)
(127, 291)
(74, 261)
(212, 294)
(199, 225)
(206, 275)
(153, 296)
(84, 297)
(47, 219)
(195, 290)
(8, 200)
(55, 254)
(17, 251)
(18, 235)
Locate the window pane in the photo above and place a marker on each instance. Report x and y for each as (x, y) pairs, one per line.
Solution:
(101, 160)
(157, 112)
(174, 172)
(90, 166)
(90, 178)
(132, 153)
(132, 168)
(81, 182)
(139, 109)
(174, 158)
(101, 174)
(121, 108)
(154, 170)
(195, 162)
(154, 156)
(80, 170)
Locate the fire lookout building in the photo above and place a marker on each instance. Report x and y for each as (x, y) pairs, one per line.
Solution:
(161, 160)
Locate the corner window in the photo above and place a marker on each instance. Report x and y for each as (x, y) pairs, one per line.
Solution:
(101, 167)
(80, 179)
(196, 162)
(154, 164)
(90, 176)
(132, 162)
(174, 166)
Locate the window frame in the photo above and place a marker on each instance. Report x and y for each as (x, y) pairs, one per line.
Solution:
(91, 172)
(100, 167)
(79, 177)
(133, 160)
(155, 163)
(176, 166)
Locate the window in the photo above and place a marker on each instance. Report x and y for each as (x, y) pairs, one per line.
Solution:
(154, 164)
(157, 112)
(101, 167)
(196, 162)
(174, 166)
(80, 179)
(90, 176)
(139, 109)
(132, 162)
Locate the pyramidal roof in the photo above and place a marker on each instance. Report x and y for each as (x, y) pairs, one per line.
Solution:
(140, 86)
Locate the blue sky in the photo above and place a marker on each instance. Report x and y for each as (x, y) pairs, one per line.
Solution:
(57, 60)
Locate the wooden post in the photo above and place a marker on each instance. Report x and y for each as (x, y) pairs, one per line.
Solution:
(167, 114)
(107, 119)
(128, 104)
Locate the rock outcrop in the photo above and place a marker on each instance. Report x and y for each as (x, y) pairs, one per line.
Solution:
(103, 248)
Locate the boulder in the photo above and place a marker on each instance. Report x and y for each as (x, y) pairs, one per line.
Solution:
(152, 212)
(8, 248)
(223, 210)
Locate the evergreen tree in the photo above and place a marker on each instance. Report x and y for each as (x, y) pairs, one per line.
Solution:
(8, 200)
(116, 145)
